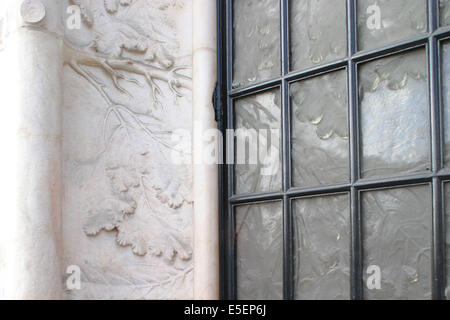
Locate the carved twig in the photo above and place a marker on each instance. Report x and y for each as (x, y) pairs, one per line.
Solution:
(181, 276)
(115, 76)
(170, 75)
(100, 87)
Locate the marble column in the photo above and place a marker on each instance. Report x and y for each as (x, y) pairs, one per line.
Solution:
(30, 137)
(206, 217)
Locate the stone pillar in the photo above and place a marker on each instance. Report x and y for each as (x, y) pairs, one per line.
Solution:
(206, 217)
(31, 63)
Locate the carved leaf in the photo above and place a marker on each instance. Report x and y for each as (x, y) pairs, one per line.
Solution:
(118, 37)
(111, 5)
(146, 233)
(125, 2)
(171, 191)
(148, 42)
(122, 179)
(108, 216)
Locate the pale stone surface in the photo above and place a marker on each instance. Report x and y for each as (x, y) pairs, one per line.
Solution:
(127, 208)
(89, 179)
(206, 239)
(30, 135)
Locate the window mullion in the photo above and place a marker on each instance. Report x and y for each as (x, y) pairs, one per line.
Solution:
(438, 254)
(355, 219)
(287, 224)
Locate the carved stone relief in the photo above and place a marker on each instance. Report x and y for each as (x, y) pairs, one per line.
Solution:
(127, 207)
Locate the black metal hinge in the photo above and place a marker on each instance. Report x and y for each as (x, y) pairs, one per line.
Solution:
(216, 103)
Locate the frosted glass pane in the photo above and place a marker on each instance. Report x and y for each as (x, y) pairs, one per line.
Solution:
(383, 22)
(257, 143)
(256, 39)
(444, 12)
(322, 248)
(320, 130)
(446, 99)
(447, 234)
(317, 32)
(259, 251)
(394, 115)
(397, 239)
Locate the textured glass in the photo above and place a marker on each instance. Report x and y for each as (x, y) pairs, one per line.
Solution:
(317, 32)
(257, 143)
(259, 251)
(322, 248)
(447, 234)
(444, 12)
(383, 22)
(320, 130)
(397, 239)
(446, 99)
(256, 38)
(394, 115)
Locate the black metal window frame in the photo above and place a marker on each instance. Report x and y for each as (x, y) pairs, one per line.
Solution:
(225, 95)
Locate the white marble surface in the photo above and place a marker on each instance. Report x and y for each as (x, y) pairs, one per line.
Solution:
(206, 239)
(89, 116)
(30, 135)
(127, 208)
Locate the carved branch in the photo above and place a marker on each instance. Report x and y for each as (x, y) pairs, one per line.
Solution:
(170, 75)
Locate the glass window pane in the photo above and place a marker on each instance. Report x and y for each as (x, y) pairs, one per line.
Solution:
(257, 143)
(446, 99)
(397, 239)
(394, 115)
(319, 136)
(322, 248)
(447, 242)
(444, 12)
(317, 32)
(259, 251)
(256, 39)
(384, 22)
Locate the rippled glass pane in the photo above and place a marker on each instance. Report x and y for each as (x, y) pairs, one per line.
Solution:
(322, 248)
(383, 22)
(317, 32)
(397, 239)
(256, 39)
(394, 115)
(257, 143)
(447, 234)
(444, 12)
(259, 251)
(446, 99)
(320, 130)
